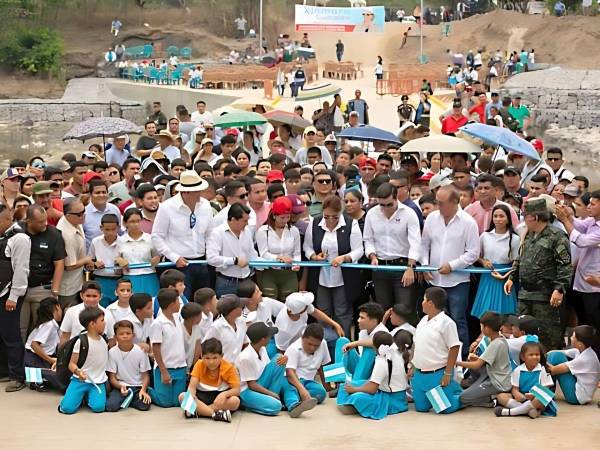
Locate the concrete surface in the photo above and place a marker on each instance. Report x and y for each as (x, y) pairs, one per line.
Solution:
(30, 421)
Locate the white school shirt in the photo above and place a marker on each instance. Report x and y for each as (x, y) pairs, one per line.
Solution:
(224, 246)
(170, 336)
(221, 218)
(201, 119)
(456, 243)
(586, 368)
(332, 276)
(105, 252)
(290, 330)
(305, 364)
(364, 334)
(433, 339)
(251, 365)
(128, 366)
(118, 313)
(171, 232)
(494, 247)
(514, 347)
(189, 341)
(405, 326)
(231, 340)
(136, 251)
(266, 310)
(70, 323)
(96, 361)
(270, 245)
(205, 324)
(46, 335)
(544, 378)
(141, 330)
(398, 236)
(381, 372)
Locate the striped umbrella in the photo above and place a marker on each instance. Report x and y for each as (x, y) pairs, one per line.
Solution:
(326, 90)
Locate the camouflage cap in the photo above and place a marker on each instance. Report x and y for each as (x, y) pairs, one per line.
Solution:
(542, 204)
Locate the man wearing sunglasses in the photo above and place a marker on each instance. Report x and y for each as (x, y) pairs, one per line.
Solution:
(323, 186)
(235, 192)
(554, 158)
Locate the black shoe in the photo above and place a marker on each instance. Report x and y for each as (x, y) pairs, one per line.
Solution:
(187, 415)
(41, 387)
(302, 407)
(333, 393)
(498, 411)
(222, 415)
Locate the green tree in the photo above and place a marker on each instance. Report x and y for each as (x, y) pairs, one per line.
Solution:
(33, 50)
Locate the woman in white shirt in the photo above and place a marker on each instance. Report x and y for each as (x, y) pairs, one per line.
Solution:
(278, 241)
(499, 248)
(336, 238)
(135, 247)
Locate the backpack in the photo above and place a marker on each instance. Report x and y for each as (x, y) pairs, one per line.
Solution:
(64, 353)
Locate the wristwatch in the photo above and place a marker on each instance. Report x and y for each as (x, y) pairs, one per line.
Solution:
(235, 261)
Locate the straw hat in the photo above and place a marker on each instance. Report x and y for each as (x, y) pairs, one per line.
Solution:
(190, 181)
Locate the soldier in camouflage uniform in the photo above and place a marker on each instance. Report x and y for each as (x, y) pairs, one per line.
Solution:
(543, 270)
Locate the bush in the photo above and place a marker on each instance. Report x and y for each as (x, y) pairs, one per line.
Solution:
(33, 50)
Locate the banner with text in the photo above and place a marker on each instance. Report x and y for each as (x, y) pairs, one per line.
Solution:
(359, 20)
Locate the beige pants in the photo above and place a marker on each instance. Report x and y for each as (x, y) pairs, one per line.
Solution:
(29, 310)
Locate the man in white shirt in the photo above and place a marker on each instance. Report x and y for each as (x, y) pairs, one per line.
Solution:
(201, 116)
(392, 237)
(181, 228)
(235, 192)
(436, 347)
(229, 249)
(451, 241)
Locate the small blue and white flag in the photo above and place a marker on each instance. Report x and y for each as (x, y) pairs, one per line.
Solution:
(542, 394)
(438, 399)
(33, 375)
(188, 404)
(483, 344)
(127, 400)
(335, 373)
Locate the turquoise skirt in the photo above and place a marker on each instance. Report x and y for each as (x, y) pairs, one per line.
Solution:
(147, 283)
(490, 296)
(373, 406)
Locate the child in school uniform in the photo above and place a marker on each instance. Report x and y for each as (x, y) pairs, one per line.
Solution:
(358, 356)
(88, 381)
(103, 250)
(577, 370)
(530, 373)
(214, 384)
(166, 337)
(523, 327)
(128, 371)
(120, 309)
(493, 366)
(398, 316)
(305, 358)
(140, 316)
(173, 279)
(207, 299)
(42, 342)
(292, 319)
(264, 387)
(229, 329)
(191, 314)
(436, 349)
(384, 393)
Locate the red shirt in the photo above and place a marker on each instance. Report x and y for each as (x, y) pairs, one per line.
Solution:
(479, 109)
(451, 124)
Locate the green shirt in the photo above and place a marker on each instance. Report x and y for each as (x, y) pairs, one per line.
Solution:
(519, 113)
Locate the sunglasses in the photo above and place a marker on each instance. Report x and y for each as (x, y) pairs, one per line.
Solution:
(114, 172)
(39, 165)
(79, 214)
(553, 159)
(192, 220)
(324, 181)
(242, 196)
(208, 128)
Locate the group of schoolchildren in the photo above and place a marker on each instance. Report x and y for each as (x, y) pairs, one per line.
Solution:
(262, 355)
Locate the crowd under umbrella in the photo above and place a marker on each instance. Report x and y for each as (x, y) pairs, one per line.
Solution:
(368, 133)
(440, 144)
(104, 127)
(239, 119)
(501, 137)
(278, 117)
(325, 90)
(249, 103)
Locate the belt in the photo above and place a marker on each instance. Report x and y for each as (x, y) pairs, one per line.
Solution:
(196, 258)
(225, 277)
(431, 371)
(402, 261)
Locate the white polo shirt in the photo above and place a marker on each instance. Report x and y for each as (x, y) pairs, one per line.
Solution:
(381, 372)
(586, 368)
(117, 313)
(47, 336)
(189, 341)
(266, 310)
(170, 336)
(251, 365)
(71, 324)
(205, 324)
(290, 330)
(305, 364)
(141, 330)
(433, 339)
(231, 340)
(364, 334)
(405, 326)
(128, 366)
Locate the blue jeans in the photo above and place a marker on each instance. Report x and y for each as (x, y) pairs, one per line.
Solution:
(196, 277)
(458, 302)
(225, 286)
(77, 391)
(167, 395)
(567, 381)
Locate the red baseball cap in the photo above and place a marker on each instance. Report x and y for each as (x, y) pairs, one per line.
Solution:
(232, 131)
(89, 176)
(275, 175)
(366, 161)
(281, 206)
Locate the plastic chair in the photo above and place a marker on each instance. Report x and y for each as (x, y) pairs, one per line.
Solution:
(152, 75)
(175, 77)
(147, 51)
(186, 52)
(162, 76)
(172, 50)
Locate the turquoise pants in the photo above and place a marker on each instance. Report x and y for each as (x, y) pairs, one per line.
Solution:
(360, 366)
(423, 382)
(316, 390)
(167, 395)
(567, 381)
(77, 391)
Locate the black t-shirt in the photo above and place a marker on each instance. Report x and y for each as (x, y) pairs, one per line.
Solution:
(46, 248)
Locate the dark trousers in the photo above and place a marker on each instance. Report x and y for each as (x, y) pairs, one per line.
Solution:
(339, 56)
(551, 330)
(294, 88)
(196, 277)
(49, 376)
(333, 302)
(390, 291)
(591, 308)
(12, 349)
(115, 398)
(458, 300)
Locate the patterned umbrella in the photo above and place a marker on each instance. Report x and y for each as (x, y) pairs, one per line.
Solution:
(102, 127)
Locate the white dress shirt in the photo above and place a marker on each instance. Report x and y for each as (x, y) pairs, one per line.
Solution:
(221, 218)
(456, 243)
(46, 335)
(170, 335)
(231, 340)
(70, 323)
(136, 251)
(332, 276)
(251, 365)
(398, 236)
(305, 364)
(224, 246)
(432, 341)
(266, 311)
(270, 245)
(128, 366)
(495, 247)
(171, 233)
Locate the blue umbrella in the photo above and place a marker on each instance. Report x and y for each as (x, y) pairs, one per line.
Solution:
(502, 137)
(368, 133)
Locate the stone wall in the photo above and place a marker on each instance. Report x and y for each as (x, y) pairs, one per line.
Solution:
(558, 96)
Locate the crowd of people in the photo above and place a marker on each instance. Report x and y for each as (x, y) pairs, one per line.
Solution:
(196, 268)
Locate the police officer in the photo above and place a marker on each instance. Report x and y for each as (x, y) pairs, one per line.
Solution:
(406, 111)
(15, 247)
(543, 270)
